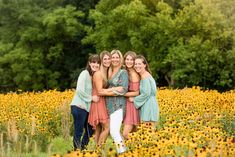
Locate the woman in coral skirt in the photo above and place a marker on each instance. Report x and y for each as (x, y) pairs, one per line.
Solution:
(132, 118)
(98, 116)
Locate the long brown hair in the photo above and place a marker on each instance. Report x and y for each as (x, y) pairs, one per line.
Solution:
(129, 53)
(92, 59)
(144, 61)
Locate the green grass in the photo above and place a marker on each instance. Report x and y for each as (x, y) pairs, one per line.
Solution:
(57, 146)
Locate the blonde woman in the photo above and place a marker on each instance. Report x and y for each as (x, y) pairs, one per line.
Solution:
(98, 116)
(115, 99)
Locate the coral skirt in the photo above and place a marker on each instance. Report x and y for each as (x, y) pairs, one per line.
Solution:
(132, 114)
(98, 113)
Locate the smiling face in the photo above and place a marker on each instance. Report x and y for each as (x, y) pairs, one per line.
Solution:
(129, 61)
(139, 66)
(106, 61)
(94, 66)
(116, 60)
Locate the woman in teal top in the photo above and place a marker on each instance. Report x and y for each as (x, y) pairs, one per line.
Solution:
(146, 101)
(115, 99)
(80, 105)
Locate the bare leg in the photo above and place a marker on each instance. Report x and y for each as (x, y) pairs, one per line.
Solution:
(97, 133)
(128, 128)
(104, 134)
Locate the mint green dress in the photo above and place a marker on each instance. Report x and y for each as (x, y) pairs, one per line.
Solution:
(147, 100)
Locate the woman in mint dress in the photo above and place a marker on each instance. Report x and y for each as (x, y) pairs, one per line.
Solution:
(146, 101)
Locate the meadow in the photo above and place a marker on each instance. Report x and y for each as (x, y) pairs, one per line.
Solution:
(193, 122)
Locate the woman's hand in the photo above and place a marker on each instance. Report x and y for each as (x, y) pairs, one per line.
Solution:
(95, 98)
(110, 91)
(119, 89)
(131, 99)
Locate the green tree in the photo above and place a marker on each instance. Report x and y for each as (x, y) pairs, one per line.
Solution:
(76, 52)
(116, 28)
(19, 60)
(183, 41)
(202, 55)
(34, 42)
(44, 44)
(131, 25)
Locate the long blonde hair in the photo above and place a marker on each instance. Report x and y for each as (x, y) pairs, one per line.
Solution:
(104, 72)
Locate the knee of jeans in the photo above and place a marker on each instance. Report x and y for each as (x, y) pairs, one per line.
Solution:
(73, 112)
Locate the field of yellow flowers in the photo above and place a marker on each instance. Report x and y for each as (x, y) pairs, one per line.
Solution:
(194, 122)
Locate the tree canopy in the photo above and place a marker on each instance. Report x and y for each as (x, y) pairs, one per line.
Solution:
(45, 44)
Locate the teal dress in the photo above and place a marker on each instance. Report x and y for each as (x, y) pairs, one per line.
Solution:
(147, 101)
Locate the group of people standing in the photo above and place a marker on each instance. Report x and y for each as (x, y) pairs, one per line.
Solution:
(111, 91)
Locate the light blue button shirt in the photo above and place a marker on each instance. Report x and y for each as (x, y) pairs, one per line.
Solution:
(83, 94)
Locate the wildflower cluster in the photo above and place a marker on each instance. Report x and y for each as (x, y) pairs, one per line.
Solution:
(191, 125)
(193, 122)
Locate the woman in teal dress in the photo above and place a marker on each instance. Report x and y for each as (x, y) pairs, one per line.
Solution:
(146, 101)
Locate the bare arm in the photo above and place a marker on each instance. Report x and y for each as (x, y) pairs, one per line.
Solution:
(107, 92)
(110, 91)
(98, 81)
(132, 94)
(121, 88)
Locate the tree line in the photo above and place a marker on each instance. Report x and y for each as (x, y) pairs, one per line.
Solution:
(44, 44)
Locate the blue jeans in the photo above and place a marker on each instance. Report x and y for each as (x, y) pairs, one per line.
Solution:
(80, 122)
